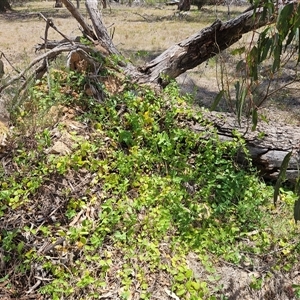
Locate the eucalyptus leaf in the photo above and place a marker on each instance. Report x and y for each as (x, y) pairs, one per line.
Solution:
(240, 103)
(283, 25)
(254, 119)
(238, 51)
(281, 175)
(217, 100)
(297, 211)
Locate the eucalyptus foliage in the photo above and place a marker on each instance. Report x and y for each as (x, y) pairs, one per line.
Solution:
(270, 49)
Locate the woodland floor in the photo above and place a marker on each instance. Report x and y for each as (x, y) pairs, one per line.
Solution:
(142, 33)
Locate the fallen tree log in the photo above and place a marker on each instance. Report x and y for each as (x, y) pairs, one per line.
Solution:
(184, 55)
(199, 47)
(267, 145)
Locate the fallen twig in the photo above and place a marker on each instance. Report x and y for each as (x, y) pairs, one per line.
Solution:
(50, 23)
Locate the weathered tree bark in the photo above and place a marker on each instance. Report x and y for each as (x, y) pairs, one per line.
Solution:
(267, 145)
(182, 56)
(101, 31)
(100, 35)
(87, 30)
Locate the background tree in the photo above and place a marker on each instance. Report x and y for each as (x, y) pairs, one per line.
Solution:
(4, 6)
(58, 3)
(184, 5)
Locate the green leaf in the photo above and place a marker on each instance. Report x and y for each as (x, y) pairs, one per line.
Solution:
(281, 175)
(237, 89)
(180, 277)
(181, 291)
(290, 38)
(125, 136)
(120, 236)
(238, 51)
(283, 24)
(297, 211)
(252, 61)
(254, 119)
(241, 96)
(196, 285)
(217, 100)
(297, 187)
(265, 49)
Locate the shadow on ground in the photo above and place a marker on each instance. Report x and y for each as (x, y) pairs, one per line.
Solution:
(29, 15)
(210, 13)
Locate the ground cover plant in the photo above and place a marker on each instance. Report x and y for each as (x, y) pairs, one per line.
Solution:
(121, 199)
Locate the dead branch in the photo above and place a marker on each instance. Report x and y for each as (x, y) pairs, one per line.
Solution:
(50, 55)
(145, 18)
(50, 23)
(87, 30)
(199, 47)
(101, 31)
(51, 44)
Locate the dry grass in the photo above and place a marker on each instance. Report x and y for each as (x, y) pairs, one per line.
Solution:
(135, 28)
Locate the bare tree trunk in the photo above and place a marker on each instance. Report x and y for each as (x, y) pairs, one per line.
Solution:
(101, 31)
(100, 35)
(184, 5)
(4, 6)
